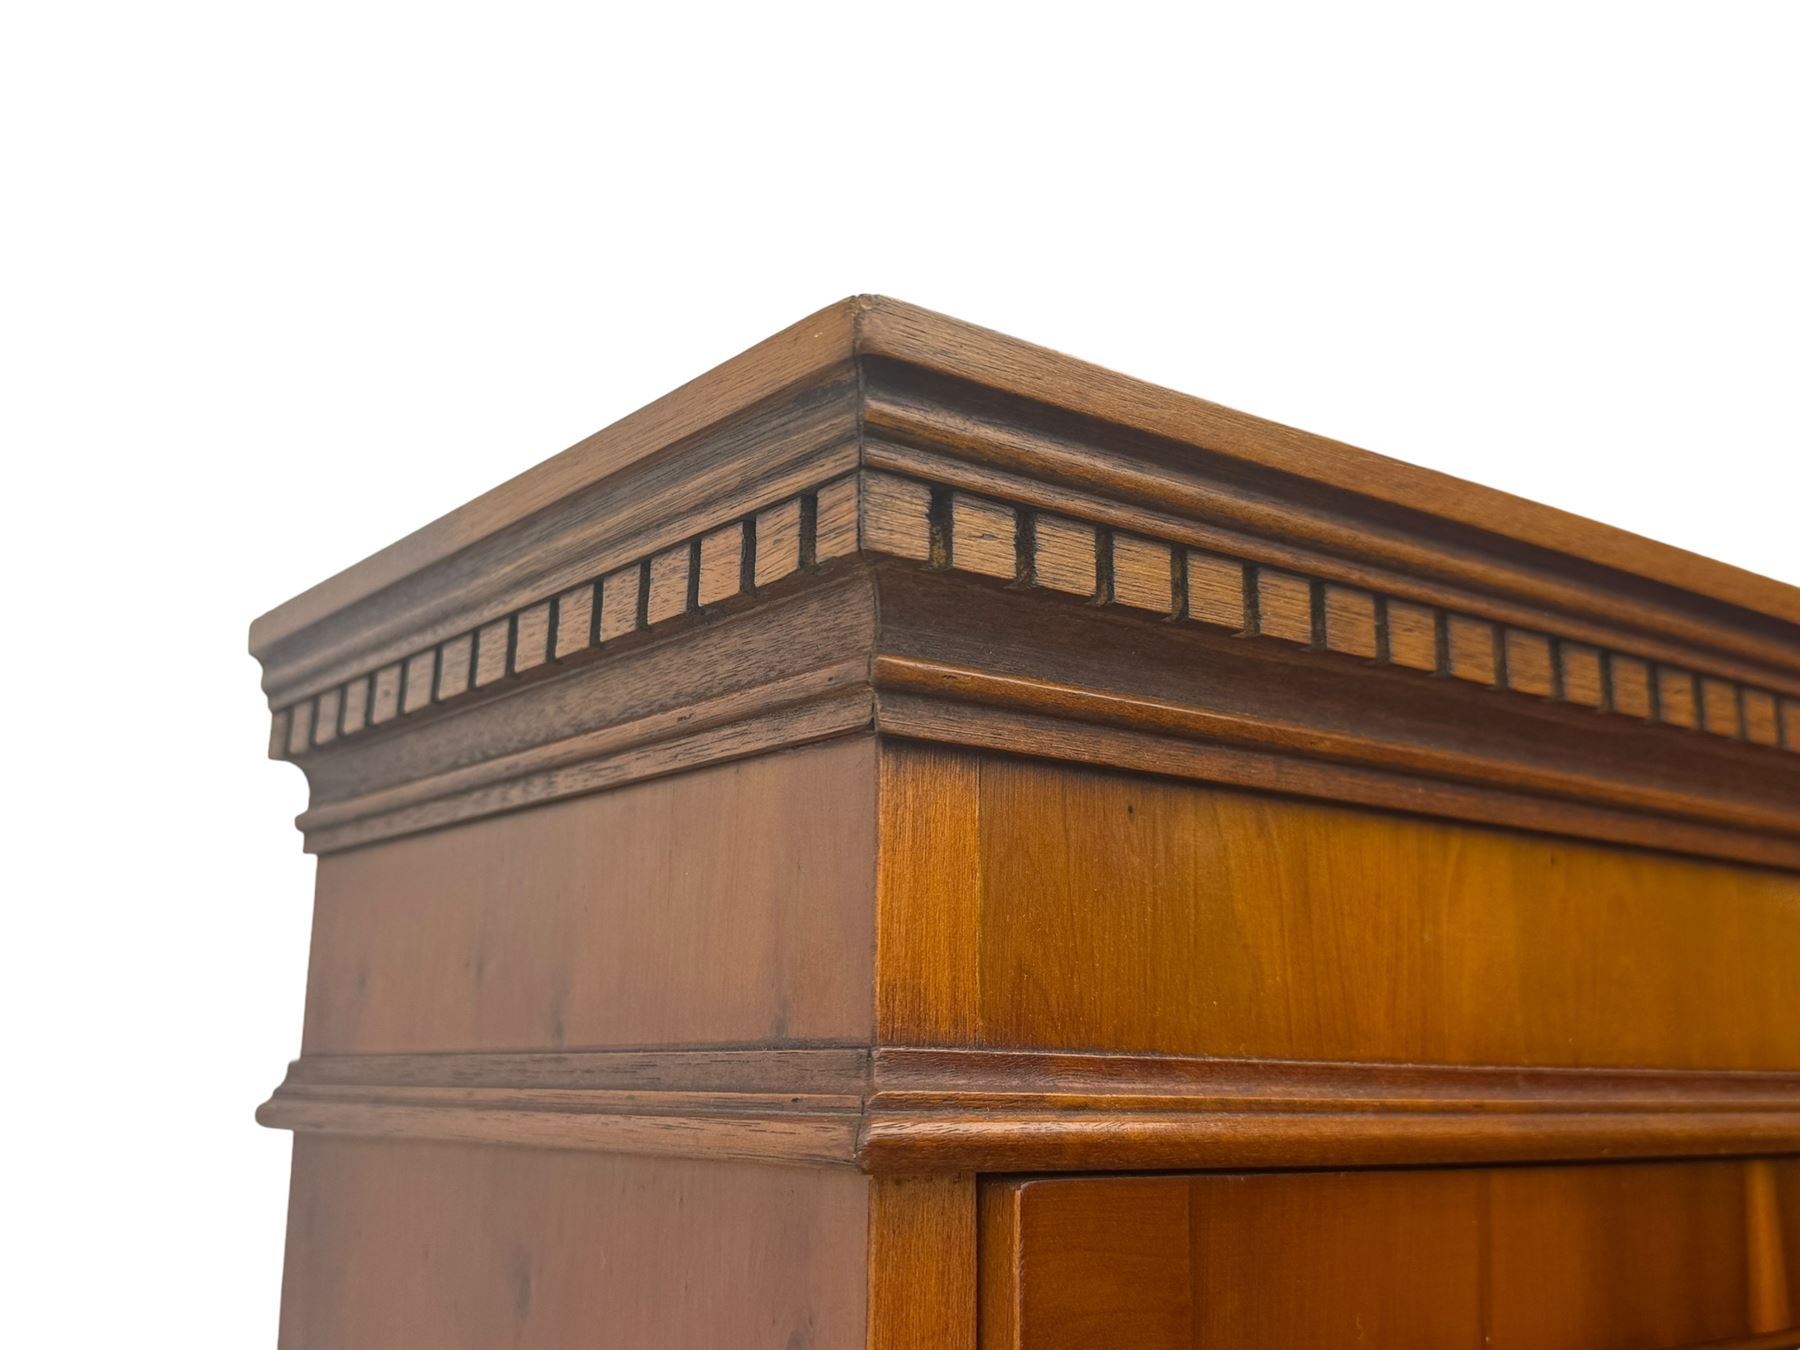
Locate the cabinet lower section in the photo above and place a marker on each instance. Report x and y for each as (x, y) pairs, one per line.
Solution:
(1602, 1257)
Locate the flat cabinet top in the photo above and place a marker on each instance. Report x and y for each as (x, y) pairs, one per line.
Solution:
(885, 519)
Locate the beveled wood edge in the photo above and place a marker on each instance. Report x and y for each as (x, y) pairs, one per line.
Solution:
(951, 706)
(783, 715)
(912, 522)
(874, 326)
(720, 565)
(1152, 565)
(794, 356)
(1699, 660)
(946, 346)
(1166, 579)
(923, 1109)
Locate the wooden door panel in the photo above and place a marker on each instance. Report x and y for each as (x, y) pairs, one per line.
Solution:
(1608, 1257)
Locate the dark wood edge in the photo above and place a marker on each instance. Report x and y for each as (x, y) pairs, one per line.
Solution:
(875, 327)
(934, 342)
(796, 355)
(947, 705)
(901, 1110)
(1730, 800)
(781, 716)
(568, 626)
(1324, 548)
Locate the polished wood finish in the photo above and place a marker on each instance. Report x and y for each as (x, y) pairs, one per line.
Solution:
(922, 1262)
(1612, 1257)
(915, 841)
(1497, 629)
(449, 1245)
(1108, 911)
(728, 905)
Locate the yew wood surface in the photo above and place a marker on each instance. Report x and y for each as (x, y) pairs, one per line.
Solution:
(880, 329)
(1609, 1257)
(1113, 911)
(465, 1247)
(731, 905)
(914, 841)
(923, 1264)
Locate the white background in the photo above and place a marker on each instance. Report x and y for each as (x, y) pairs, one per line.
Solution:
(280, 283)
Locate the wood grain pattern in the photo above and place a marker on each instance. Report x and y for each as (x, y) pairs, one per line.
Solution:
(1413, 634)
(794, 670)
(1130, 913)
(404, 1247)
(922, 1263)
(910, 1111)
(1063, 555)
(455, 667)
(1506, 648)
(895, 338)
(531, 637)
(1284, 605)
(670, 584)
(1350, 623)
(1773, 1294)
(1215, 590)
(418, 679)
(837, 527)
(731, 904)
(722, 554)
(356, 707)
(493, 651)
(667, 585)
(1142, 574)
(767, 1105)
(927, 896)
(907, 756)
(963, 661)
(1294, 608)
(793, 357)
(577, 620)
(896, 518)
(994, 1111)
(877, 330)
(778, 539)
(983, 537)
(1643, 1257)
(384, 696)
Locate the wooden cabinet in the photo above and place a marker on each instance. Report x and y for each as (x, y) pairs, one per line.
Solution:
(914, 841)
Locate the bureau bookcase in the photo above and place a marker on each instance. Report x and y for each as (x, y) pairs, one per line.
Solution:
(912, 840)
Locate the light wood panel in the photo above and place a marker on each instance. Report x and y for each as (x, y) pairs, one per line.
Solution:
(462, 1247)
(733, 904)
(1610, 1257)
(928, 973)
(922, 1263)
(1620, 1256)
(1125, 912)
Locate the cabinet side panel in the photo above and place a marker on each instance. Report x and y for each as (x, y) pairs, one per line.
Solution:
(730, 904)
(414, 1246)
(1124, 912)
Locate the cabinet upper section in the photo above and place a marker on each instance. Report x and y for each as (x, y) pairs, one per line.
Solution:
(883, 517)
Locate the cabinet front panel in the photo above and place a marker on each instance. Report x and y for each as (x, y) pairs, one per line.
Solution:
(1102, 910)
(1602, 1257)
